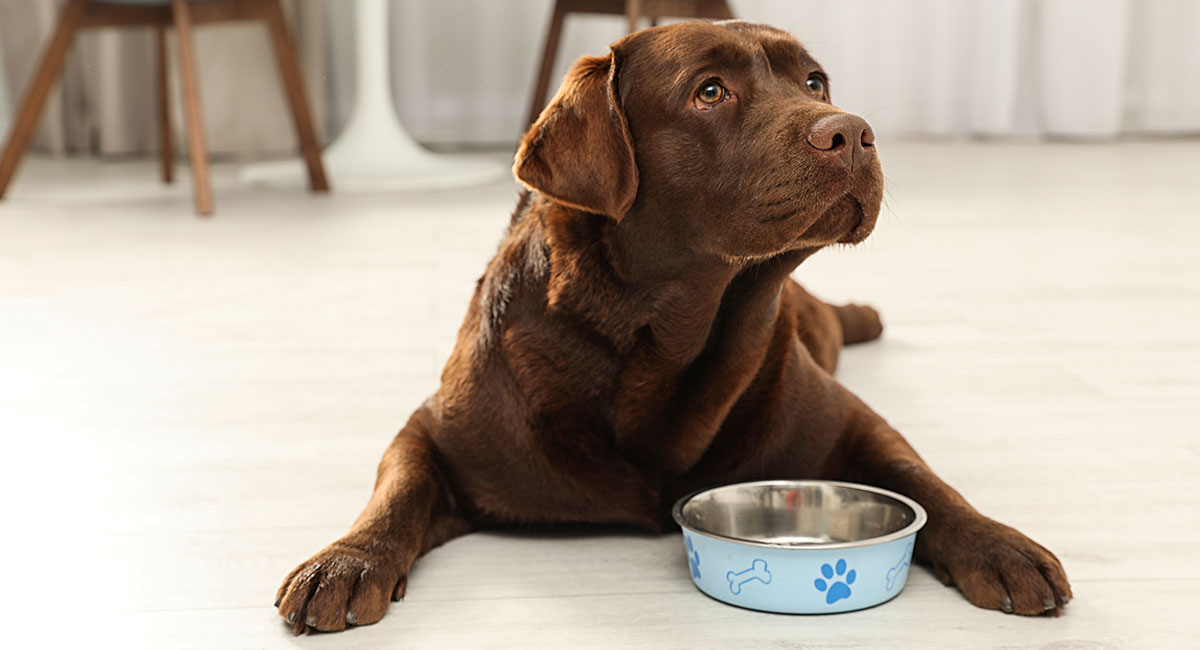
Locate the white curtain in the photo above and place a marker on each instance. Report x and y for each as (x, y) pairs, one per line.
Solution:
(463, 69)
(942, 68)
(1001, 68)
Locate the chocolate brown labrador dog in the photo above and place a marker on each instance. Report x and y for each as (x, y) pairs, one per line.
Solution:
(638, 336)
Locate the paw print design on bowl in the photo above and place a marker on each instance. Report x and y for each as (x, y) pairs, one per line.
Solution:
(693, 557)
(838, 589)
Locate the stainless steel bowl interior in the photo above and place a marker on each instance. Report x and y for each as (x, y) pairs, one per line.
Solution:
(800, 513)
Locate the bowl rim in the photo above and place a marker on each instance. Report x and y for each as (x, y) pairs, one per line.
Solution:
(917, 524)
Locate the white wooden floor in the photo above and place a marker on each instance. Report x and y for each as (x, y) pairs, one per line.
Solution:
(189, 408)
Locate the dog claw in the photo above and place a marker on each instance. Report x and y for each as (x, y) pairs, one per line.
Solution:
(350, 618)
(1006, 605)
(1048, 603)
(277, 601)
(312, 621)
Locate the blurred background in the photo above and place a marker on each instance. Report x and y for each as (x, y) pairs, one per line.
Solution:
(462, 71)
(192, 406)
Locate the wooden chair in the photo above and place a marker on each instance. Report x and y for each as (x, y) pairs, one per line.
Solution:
(634, 10)
(162, 14)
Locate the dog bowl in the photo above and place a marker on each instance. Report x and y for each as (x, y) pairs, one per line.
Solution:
(799, 547)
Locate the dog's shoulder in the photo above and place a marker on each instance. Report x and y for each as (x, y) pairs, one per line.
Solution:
(520, 267)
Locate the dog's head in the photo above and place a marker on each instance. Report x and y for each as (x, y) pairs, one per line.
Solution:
(725, 130)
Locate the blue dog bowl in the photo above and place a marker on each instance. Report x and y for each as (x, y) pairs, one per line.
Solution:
(799, 547)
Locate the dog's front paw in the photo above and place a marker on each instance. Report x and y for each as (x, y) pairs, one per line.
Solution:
(346, 583)
(996, 567)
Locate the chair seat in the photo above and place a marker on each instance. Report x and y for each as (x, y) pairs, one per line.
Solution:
(147, 3)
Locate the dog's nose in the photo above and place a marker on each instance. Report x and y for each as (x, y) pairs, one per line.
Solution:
(843, 138)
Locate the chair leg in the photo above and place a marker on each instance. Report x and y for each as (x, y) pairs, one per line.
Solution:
(293, 83)
(549, 54)
(633, 13)
(35, 98)
(197, 147)
(721, 11)
(164, 107)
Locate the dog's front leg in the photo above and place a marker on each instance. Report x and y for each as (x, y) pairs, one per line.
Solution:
(994, 565)
(353, 579)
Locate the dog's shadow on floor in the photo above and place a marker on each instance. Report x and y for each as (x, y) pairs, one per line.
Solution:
(621, 548)
(574, 531)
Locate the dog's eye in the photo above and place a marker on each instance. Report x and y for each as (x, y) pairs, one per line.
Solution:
(816, 84)
(711, 92)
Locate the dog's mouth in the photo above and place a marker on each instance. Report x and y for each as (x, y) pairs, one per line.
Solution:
(844, 222)
(861, 225)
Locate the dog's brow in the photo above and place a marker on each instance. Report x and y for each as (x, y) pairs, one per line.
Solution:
(782, 52)
(724, 55)
(766, 57)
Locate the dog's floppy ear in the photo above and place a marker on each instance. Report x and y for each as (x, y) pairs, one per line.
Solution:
(579, 151)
